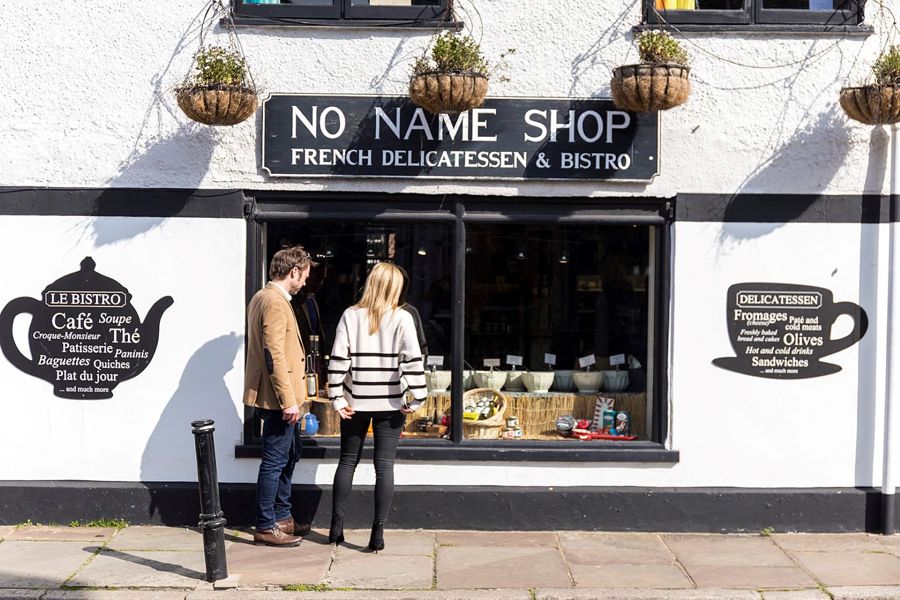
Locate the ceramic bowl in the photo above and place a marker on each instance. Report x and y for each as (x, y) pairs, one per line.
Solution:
(588, 382)
(437, 381)
(468, 379)
(538, 381)
(615, 381)
(562, 380)
(514, 381)
(490, 379)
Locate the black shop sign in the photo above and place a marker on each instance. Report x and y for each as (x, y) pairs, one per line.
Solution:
(85, 337)
(783, 331)
(506, 138)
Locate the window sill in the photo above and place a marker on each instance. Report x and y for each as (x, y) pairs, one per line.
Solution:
(795, 28)
(574, 451)
(247, 21)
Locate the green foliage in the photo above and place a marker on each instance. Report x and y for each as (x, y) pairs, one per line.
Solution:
(25, 523)
(767, 531)
(887, 68)
(305, 587)
(453, 53)
(215, 65)
(658, 47)
(102, 522)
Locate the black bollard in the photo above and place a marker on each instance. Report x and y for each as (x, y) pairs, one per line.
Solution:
(212, 519)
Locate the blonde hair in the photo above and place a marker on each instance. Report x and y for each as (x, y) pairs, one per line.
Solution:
(382, 293)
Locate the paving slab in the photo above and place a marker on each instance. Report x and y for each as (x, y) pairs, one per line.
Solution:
(637, 594)
(497, 538)
(851, 568)
(40, 564)
(795, 595)
(367, 595)
(826, 542)
(629, 576)
(142, 568)
(726, 551)
(13, 594)
(865, 592)
(615, 548)
(5, 530)
(157, 538)
(63, 534)
(495, 567)
(260, 565)
(727, 576)
(397, 542)
(114, 595)
(367, 570)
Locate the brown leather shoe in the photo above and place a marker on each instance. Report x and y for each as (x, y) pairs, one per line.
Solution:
(275, 537)
(292, 527)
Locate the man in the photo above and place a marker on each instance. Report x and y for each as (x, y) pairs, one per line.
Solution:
(274, 383)
(306, 308)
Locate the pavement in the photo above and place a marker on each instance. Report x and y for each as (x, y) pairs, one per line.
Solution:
(167, 563)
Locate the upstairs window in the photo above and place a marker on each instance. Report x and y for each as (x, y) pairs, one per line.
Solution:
(395, 12)
(828, 13)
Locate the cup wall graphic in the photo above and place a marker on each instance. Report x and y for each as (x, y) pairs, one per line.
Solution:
(85, 337)
(783, 331)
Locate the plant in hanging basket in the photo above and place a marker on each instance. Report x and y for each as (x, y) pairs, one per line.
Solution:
(218, 91)
(659, 82)
(453, 79)
(877, 103)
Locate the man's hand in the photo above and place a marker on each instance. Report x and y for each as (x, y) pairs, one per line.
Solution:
(291, 414)
(346, 412)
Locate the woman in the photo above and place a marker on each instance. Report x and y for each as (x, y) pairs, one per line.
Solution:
(375, 355)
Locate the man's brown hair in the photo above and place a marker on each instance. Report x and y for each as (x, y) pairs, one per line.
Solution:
(288, 258)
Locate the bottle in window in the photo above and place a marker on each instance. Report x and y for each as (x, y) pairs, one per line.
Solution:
(312, 367)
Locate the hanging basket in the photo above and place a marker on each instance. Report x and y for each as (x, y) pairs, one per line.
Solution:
(647, 87)
(217, 105)
(440, 92)
(872, 104)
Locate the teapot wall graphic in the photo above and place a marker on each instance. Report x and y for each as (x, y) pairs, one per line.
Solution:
(85, 337)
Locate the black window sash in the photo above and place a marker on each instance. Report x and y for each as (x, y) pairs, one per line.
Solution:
(430, 12)
(841, 17)
(712, 17)
(282, 11)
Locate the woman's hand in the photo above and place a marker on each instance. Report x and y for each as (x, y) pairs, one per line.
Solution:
(346, 412)
(406, 409)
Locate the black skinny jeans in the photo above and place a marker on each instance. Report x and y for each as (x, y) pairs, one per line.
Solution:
(386, 425)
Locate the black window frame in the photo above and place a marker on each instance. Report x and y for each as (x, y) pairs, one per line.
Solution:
(657, 213)
(343, 12)
(754, 13)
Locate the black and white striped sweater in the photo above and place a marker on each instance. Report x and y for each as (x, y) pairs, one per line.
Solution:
(371, 371)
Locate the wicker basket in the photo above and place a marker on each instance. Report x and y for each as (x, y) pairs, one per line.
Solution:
(486, 429)
(647, 87)
(218, 105)
(872, 104)
(448, 92)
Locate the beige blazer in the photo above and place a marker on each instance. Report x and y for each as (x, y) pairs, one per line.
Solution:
(271, 325)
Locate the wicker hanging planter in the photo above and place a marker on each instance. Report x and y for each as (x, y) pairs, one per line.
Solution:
(646, 87)
(439, 92)
(872, 104)
(218, 104)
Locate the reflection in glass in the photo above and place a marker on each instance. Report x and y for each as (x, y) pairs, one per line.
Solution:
(394, 2)
(826, 5)
(699, 5)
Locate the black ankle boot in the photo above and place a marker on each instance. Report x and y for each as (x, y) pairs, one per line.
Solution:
(336, 533)
(376, 540)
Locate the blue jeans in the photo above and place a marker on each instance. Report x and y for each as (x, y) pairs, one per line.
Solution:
(279, 453)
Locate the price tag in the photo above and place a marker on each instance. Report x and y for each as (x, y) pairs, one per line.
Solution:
(549, 359)
(492, 362)
(512, 359)
(617, 359)
(586, 361)
(434, 361)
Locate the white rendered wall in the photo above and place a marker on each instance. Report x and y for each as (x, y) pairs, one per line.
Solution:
(731, 429)
(89, 100)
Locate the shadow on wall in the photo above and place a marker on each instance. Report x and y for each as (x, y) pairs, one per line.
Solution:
(168, 152)
(868, 383)
(807, 149)
(201, 394)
